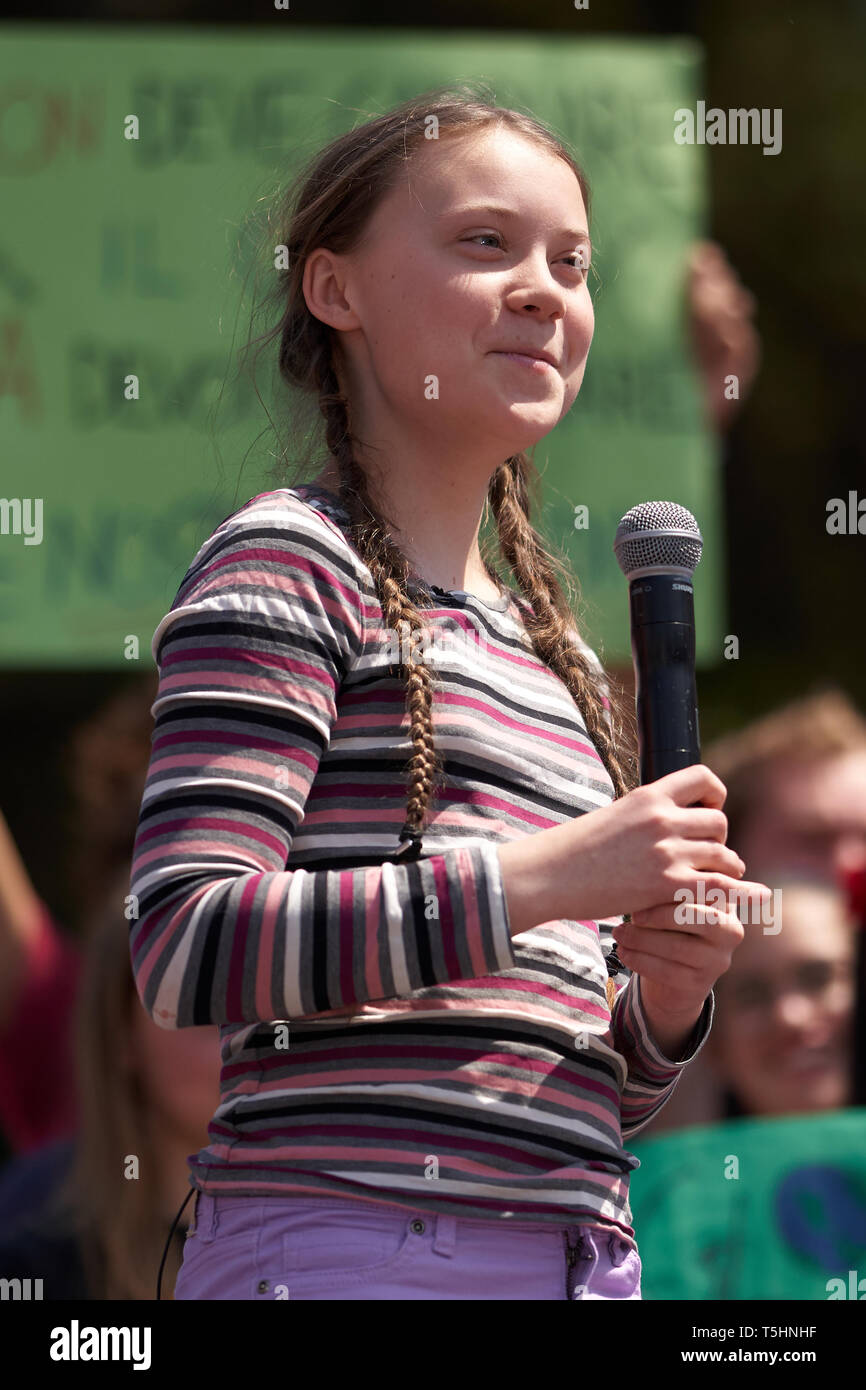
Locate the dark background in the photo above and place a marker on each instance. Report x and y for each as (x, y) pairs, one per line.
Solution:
(793, 227)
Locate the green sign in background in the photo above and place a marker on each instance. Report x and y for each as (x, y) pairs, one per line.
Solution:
(123, 257)
(754, 1209)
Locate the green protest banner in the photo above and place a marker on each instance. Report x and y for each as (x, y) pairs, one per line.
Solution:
(754, 1209)
(125, 258)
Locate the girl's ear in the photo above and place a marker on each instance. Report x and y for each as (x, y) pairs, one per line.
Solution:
(325, 290)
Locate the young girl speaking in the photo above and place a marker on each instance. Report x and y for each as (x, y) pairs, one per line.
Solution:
(393, 883)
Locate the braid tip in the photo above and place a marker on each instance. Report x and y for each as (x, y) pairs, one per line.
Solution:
(410, 842)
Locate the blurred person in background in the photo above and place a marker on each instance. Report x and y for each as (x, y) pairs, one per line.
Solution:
(796, 781)
(90, 1215)
(782, 1036)
(40, 959)
(722, 335)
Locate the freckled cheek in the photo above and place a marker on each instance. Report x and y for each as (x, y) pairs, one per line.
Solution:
(585, 327)
(440, 331)
(574, 381)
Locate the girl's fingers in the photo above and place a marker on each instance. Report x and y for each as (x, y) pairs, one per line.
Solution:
(682, 919)
(739, 898)
(704, 823)
(684, 949)
(710, 855)
(654, 941)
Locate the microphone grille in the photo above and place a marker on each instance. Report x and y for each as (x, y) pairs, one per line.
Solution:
(658, 536)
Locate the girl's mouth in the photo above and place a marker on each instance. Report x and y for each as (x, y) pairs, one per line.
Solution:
(537, 364)
(807, 1060)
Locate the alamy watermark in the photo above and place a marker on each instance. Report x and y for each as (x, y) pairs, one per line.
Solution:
(22, 516)
(738, 126)
(750, 910)
(432, 646)
(77, 1343)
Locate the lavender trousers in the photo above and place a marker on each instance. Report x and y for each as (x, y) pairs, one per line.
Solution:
(273, 1247)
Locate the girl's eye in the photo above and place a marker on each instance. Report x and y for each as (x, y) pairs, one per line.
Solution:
(576, 260)
(493, 236)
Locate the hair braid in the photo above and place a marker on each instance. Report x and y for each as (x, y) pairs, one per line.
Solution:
(550, 621)
(390, 571)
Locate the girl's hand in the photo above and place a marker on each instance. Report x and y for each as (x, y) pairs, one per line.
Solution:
(680, 961)
(627, 857)
(635, 853)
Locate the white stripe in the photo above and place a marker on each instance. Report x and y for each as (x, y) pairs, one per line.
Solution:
(158, 785)
(168, 995)
(290, 921)
(446, 1186)
(567, 1125)
(394, 925)
(144, 881)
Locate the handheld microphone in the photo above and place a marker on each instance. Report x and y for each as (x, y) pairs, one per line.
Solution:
(657, 546)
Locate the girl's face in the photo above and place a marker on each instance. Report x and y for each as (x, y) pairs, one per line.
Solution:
(483, 248)
(781, 1037)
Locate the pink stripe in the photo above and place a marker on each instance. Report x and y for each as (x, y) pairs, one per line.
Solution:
(354, 1074)
(446, 909)
(265, 770)
(391, 1137)
(372, 971)
(239, 933)
(212, 847)
(333, 596)
(613, 1185)
(344, 936)
(378, 790)
(160, 939)
(247, 740)
(224, 823)
(242, 654)
(531, 733)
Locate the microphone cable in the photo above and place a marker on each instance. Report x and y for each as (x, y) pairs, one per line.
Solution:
(168, 1243)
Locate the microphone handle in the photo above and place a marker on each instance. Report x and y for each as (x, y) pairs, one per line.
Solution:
(663, 651)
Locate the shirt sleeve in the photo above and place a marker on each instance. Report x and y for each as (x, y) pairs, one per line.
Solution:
(651, 1076)
(266, 623)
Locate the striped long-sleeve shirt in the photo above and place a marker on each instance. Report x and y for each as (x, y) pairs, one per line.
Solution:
(383, 1034)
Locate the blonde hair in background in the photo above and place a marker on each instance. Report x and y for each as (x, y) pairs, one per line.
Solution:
(119, 1221)
(815, 727)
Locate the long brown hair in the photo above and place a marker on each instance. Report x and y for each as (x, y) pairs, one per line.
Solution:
(329, 204)
(120, 1223)
(105, 765)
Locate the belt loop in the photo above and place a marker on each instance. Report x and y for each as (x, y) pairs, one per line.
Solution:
(205, 1217)
(586, 1240)
(446, 1234)
(618, 1250)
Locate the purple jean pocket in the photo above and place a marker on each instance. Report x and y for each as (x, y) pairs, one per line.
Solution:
(607, 1267)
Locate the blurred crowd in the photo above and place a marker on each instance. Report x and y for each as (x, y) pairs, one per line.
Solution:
(99, 1107)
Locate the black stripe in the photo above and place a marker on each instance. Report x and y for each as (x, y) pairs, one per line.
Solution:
(487, 1128)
